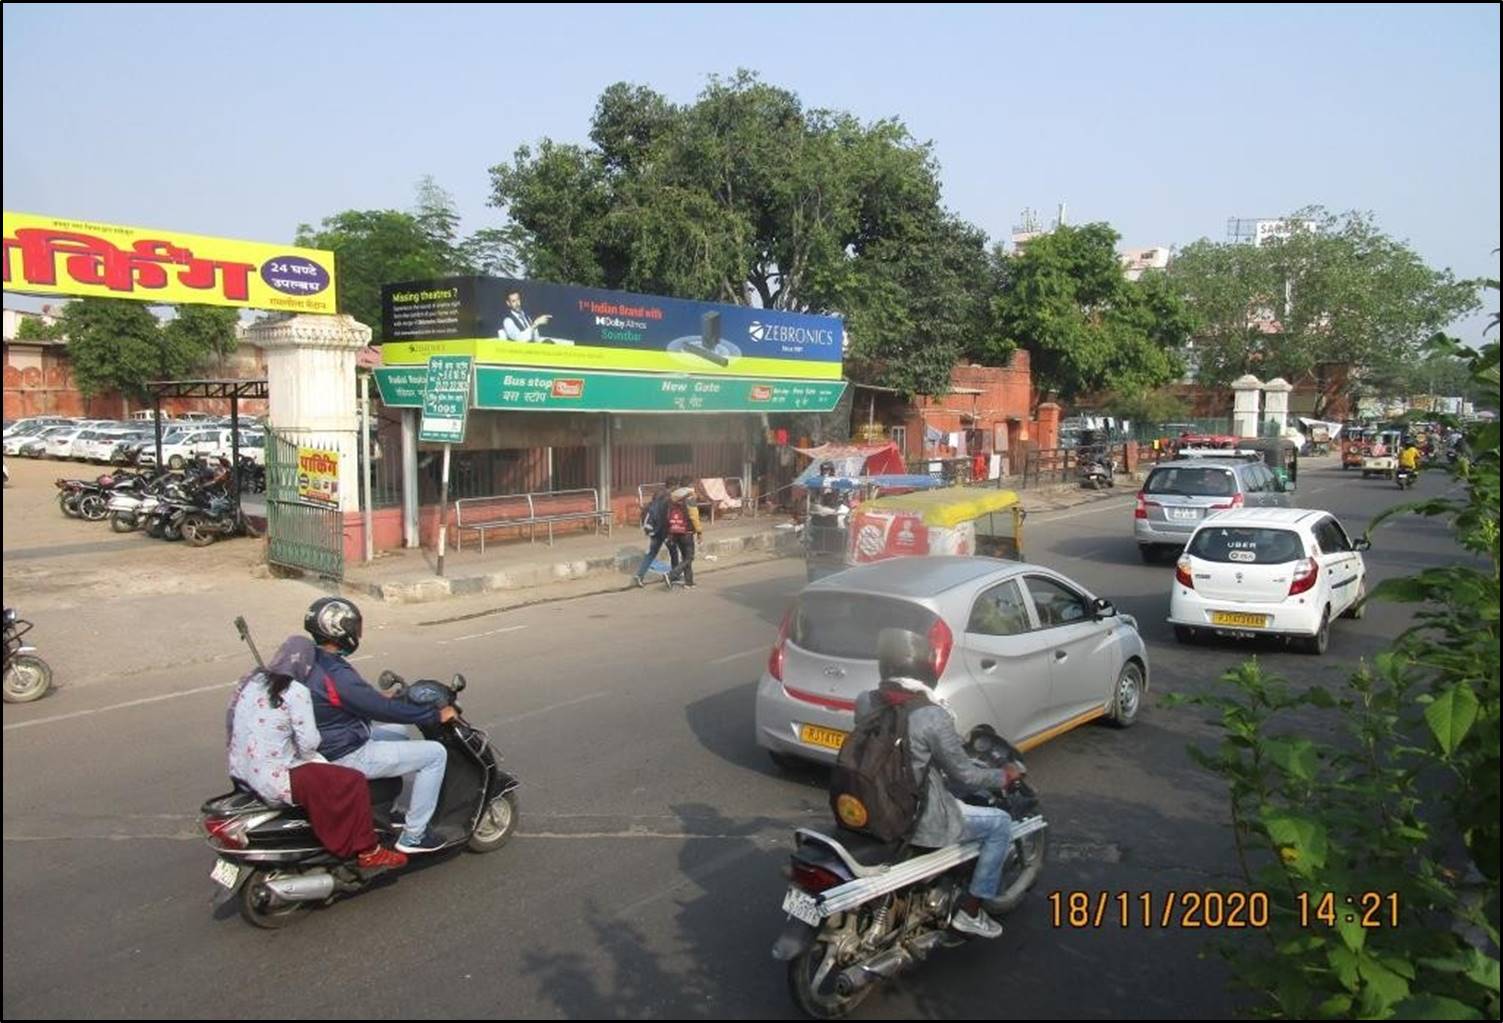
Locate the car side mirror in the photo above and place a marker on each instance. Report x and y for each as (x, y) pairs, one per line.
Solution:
(1363, 545)
(1103, 608)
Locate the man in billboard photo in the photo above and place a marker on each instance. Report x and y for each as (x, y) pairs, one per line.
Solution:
(517, 325)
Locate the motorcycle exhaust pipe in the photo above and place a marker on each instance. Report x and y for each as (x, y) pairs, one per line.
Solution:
(303, 887)
(878, 967)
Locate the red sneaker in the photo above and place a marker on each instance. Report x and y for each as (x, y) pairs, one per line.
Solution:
(381, 858)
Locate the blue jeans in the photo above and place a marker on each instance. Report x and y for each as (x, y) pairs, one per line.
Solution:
(993, 829)
(653, 546)
(391, 754)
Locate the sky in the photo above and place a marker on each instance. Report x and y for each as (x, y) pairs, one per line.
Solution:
(246, 120)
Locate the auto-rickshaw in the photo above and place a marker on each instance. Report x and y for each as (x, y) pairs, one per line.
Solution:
(829, 507)
(1280, 454)
(956, 520)
(1382, 457)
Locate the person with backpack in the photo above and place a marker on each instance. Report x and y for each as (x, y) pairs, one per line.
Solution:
(655, 526)
(683, 527)
(885, 784)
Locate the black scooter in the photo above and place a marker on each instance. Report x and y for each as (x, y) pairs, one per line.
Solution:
(271, 863)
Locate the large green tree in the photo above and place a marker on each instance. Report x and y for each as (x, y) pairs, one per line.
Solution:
(1333, 289)
(377, 247)
(745, 196)
(209, 329)
(117, 344)
(1087, 327)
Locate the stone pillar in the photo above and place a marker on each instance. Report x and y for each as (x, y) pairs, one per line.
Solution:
(310, 373)
(1276, 403)
(1245, 390)
(1048, 431)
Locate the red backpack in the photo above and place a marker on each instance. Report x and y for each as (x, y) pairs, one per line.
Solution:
(678, 520)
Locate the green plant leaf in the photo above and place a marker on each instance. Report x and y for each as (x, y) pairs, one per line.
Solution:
(1301, 840)
(1451, 716)
(1434, 1007)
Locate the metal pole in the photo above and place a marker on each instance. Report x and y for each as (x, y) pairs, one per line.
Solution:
(365, 458)
(443, 513)
(409, 478)
(235, 448)
(156, 422)
(605, 467)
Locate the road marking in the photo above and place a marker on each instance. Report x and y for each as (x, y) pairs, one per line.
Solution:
(744, 653)
(1095, 506)
(119, 706)
(551, 707)
(478, 635)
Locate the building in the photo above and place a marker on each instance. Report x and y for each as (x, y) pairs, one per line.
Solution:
(39, 378)
(1137, 262)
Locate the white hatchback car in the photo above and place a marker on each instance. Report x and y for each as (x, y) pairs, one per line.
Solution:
(1274, 571)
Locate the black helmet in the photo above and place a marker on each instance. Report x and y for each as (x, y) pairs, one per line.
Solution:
(905, 654)
(334, 620)
(827, 468)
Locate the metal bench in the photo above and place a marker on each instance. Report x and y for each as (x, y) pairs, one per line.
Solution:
(528, 511)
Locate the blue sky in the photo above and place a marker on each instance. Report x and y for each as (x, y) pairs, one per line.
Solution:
(245, 120)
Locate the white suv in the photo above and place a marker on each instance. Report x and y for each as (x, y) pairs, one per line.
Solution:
(1280, 571)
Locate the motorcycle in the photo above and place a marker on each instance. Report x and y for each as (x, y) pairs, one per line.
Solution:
(27, 676)
(1098, 471)
(129, 508)
(216, 517)
(269, 861)
(858, 916)
(1406, 478)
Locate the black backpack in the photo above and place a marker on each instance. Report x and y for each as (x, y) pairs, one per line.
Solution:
(872, 788)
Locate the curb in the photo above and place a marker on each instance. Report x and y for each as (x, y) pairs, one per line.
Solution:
(536, 575)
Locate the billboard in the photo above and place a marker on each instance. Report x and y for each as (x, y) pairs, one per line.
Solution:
(555, 326)
(55, 256)
(528, 389)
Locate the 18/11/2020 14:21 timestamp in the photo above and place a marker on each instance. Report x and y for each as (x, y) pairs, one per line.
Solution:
(1217, 910)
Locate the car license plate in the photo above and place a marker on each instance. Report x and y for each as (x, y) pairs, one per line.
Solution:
(1184, 514)
(801, 905)
(225, 872)
(829, 738)
(1244, 620)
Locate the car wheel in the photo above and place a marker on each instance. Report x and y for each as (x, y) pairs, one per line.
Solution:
(1318, 643)
(1127, 698)
(1184, 634)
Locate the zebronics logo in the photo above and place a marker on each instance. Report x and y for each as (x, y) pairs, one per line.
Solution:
(568, 388)
(782, 333)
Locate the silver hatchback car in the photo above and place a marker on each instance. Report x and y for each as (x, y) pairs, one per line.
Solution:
(1018, 646)
(1178, 495)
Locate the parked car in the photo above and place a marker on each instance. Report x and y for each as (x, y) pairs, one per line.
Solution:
(1020, 647)
(35, 445)
(1268, 571)
(1178, 495)
(60, 444)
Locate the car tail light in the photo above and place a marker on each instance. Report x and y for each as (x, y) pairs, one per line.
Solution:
(811, 878)
(1305, 575)
(1141, 511)
(1237, 501)
(1182, 573)
(775, 659)
(226, 832)
(942, 640)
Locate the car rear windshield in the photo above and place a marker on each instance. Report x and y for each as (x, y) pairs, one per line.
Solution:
(1191, 481)
(846, 624)
(1247, 546)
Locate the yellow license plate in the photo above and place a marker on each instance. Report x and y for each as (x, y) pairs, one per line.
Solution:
(1246, 621)
(829, 738)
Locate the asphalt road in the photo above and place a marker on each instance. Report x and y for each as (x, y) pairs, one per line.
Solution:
(644, 881)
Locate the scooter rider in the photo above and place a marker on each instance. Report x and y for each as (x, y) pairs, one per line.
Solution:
(907, 665)
(345, 705)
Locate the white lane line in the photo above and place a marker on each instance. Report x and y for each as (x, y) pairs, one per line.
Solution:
(1108, 504)
(119, 706)
(733, 657)
(551, 707)
(478, 635)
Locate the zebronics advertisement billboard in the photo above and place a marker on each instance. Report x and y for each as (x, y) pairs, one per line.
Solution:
(508, 322)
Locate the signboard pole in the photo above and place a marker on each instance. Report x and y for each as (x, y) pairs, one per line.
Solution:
(443, 513)
(365, 460)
